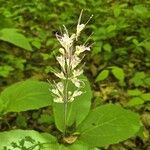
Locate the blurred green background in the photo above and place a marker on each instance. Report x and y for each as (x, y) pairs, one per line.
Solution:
(118, 65)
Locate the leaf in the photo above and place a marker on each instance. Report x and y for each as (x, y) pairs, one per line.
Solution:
(146, 97)
(111, 28)
(26, 95)
(141, 11)
(107, 47)
(138, 79)
(45, 118)
(5, 70)
(108, 124)
(102, 75)
(75, 146)
(118, 73)
(76, 111)
(15, 136)
(12, 36)
(135, 101)
(134, 92)
(117, 10)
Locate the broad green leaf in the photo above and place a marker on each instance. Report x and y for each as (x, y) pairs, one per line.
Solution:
(146, 97)
(16, 136)
(135, 101)
(102, 75)
(25, 95)
(77, 110)
(14, 37)
(108, 124)
(134, 92)
(118, 73)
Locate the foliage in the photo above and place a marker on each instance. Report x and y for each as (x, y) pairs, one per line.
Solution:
(107, 124)
(117, 67)
(26, 140)
(25, 95)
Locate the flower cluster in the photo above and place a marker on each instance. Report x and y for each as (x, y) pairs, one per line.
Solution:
(69, 60)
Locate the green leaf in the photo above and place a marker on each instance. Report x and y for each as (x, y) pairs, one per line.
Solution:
(45, 118)
(102, 75)
(135, 101)
(118, 73)
(108, 124)
(75, 146)
(36, 43)
(111, 28)
(146, 97)
(141, 11)
(12, 36)
(138, 79)
(76, 111)
(5, 70)
(26, 95)
(21, 121)
(117, 10)
(16, 136)
(107, 47)
(134, 92)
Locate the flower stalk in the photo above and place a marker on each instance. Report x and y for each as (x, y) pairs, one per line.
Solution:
(69, 60)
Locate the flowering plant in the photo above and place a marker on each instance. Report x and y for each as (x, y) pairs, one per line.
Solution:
(78, 127)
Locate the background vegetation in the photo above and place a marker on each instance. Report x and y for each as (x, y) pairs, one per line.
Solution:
(117, 66)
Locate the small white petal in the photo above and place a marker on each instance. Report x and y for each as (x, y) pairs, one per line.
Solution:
(61, 61)
(71, 99)
(62, 51)
(69, 92)
(60, 86)
(75, 61)
(58, 100)
(77, 93)
(65, 41)
(56, 92)
(76, 82)
(60, 75)
(77, 72)
(80, 49)
(80, 27)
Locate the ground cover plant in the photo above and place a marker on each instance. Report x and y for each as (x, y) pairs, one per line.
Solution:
(80, 127)
(117, 62)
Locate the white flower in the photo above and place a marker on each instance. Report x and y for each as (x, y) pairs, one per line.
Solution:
(76, 82)
(80, 49)
(58, 91)
(75, 94)
(77, 72)
(58, 100)
(61, 61)
(75, 60)
(62, 51)
(80, 27)
(69, 60)
(66, 41)
(55, 91)
(60, 87)
(60, 75)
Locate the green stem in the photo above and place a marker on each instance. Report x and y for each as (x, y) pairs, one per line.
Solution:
(65, 104)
